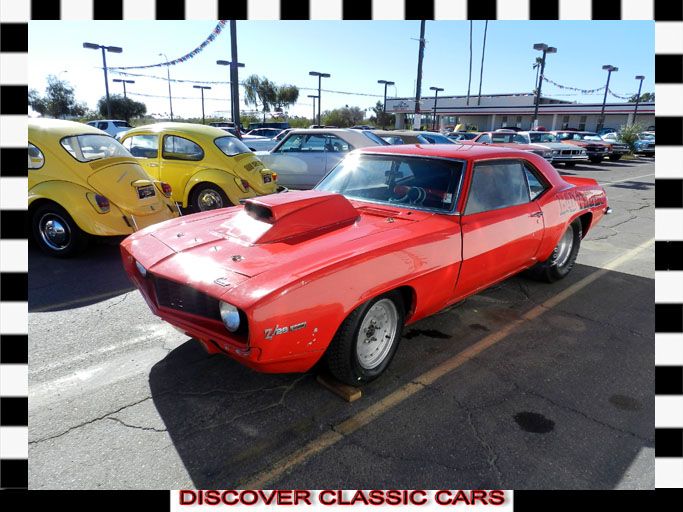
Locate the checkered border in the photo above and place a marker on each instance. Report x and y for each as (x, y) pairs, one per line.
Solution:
(15, 14)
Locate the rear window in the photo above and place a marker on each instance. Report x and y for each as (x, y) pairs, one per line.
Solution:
(86, 148)
(122, 124)
(231, 146)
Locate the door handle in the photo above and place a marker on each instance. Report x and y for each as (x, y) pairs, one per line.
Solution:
(536, 214)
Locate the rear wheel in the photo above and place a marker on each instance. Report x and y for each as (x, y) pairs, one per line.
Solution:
(596, 159)
(56, 233)
(367, 340)
(562, 260)
(570, 164)
(207, 196)
(614, 158)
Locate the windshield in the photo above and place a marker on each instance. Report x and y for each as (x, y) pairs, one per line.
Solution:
(542, 137)
(578, 136)
(436, 138)
(397, 180)
(86, 148)
(122, 124)
(647, 136)
(231, 146)
(375, 138)
(508, 138)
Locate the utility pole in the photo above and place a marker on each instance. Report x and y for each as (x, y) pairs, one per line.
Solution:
(481, 70)
(384, 107)
(609, 68)
(168, 78)
(545, 49)
(418, 86)
(640, 87)
(202, 87)
(113, 49)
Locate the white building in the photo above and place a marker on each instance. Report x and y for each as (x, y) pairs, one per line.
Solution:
(500, 110)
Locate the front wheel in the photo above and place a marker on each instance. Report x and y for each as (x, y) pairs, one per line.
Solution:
(614, 158)
(56, 233)
(596, 159)
(562, 260)
(367, 340)
(570, 165)
(207, 196)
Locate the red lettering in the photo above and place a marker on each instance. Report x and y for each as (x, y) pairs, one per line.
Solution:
(187, 497)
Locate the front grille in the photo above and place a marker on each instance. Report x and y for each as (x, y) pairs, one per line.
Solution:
(185, 298)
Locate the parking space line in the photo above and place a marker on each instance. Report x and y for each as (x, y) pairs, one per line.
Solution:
(363, 418)
(608, 183)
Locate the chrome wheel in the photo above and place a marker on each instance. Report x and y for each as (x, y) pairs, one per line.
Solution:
(377, 334)
(54, 231)
(564, 248)
(209, 199)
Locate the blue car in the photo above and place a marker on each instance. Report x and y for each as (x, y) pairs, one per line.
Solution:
(645, 144)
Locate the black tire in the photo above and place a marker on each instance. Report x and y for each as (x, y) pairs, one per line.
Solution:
(202, 191)
(50, 217)
(570, 165)
(551, 270)
(342, 356)
(595, 159)
(614, 158)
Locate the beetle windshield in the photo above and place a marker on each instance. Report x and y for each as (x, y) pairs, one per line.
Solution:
(86, 148)
(426, 183)
(231, 146)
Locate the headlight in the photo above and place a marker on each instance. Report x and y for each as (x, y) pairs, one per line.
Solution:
(230, 316)
(141, 269)
(556, 151)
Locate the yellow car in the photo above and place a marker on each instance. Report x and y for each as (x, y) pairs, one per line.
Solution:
(83, 182)
(207, 167)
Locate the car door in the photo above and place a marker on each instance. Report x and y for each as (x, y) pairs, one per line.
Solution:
(180, 157)
(145, 147)
(502, 224)
(299, 160)
(336, 150)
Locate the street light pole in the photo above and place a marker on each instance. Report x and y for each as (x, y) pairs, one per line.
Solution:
(436, 97)
(384, 107)
(124, 82)
(320, 77)
(640, 87)
(545, 49)
(609, 69)
(313, 96)
(104, 48)
(234, 91)
(202, 87)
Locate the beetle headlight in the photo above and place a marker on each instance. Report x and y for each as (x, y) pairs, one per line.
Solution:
(230, 316)
(141, 269)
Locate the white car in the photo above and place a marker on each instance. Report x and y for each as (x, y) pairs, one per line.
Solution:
(112, 126)
(562, 153)
(304, 157)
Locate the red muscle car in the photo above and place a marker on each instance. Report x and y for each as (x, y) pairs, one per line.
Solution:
(391, 235)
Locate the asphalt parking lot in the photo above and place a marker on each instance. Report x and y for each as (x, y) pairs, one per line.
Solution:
(525, 386)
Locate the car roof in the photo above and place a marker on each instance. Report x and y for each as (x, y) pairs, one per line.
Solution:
(354, 137)
(460, 151)
(188, 128)
(65, 128)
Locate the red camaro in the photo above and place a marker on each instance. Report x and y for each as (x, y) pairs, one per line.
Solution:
(391, 235)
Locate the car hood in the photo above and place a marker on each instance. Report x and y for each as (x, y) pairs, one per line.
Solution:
(290, 234)
(554, 145)
(584, 143)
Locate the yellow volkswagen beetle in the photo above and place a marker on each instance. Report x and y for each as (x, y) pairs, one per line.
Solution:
(83, 182)
(207, 167)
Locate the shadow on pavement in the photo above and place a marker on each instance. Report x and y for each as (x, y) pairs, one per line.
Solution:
(564, 401)
(56, 284)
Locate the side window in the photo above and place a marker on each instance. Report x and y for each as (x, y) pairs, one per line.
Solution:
(536, 186)
(179, 148)
(497, 185)
(292, 144)
(337, 145)
(102, 125)
(484, 139)
(35, 157)
(142, 146)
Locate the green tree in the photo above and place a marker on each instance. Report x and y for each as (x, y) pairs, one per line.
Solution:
(260, 90)
(59, 100)
(285, 96)
(628, 134)
(381, 118)
(343, 117)
(647, 96)
(121, 108)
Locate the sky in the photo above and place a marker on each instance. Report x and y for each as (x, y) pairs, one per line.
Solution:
(355, 53)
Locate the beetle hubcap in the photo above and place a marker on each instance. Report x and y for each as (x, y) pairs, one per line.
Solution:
(54, 231)
(564, 248)
(377, 334)
(209, 200)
